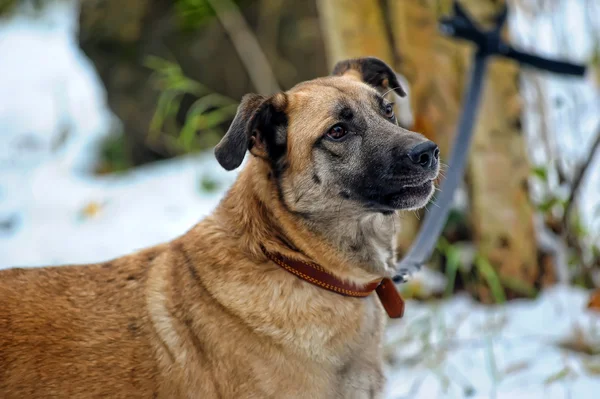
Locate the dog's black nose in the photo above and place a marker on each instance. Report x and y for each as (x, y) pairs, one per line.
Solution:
(425, 154)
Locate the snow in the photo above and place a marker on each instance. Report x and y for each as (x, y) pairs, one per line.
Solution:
(150, 205)
(457, 348)
(52, 211)
(565, 109)
(48, 87)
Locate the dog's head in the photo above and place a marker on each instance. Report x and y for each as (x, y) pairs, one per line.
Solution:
(334, 141)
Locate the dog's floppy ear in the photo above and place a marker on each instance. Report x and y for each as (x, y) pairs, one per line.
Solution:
(372, 71)
(232, 148)
(256, 127)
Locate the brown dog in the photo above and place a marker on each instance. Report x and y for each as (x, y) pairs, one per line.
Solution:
(210, 314)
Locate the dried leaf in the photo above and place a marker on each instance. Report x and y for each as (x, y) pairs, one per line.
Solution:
(516, 368)
(594, 301)
(591, 367)
(92, 209)
(579, 342)
(558, 376)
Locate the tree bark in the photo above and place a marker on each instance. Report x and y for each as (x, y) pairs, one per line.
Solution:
(435, 68)
(354, 28)
(438, 68)
(501, 211)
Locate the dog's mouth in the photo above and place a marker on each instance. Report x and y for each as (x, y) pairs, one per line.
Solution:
(409, 195)
(414, 190)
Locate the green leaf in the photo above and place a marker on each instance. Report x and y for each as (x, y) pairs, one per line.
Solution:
(596, 251)
(208, 184)
(452, 267)
(492, 279)
(442, 245)
(199, 121)
(209, 101)
(114, 156)
(558, 376)
(164, 108)
(207, 113)
(578, 227)
(573, 259)
(541, 172)
(548, 204)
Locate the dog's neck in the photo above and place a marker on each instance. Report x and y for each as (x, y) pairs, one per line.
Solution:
(366, 240)
(353, 246)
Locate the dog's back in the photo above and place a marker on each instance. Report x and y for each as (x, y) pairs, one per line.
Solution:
(66, 331)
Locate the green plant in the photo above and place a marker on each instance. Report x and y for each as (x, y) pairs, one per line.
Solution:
(192, 14)
(7, 6)
(486, 270)
(541, 172)
(114, 156)
(550, 203)
(562, 218)
(560, 375)
(208, 184)
(208, 112)
(453, 263)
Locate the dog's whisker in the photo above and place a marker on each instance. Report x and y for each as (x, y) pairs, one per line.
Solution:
(435, 204)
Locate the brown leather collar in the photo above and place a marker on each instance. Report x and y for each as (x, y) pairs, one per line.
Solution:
(315, 274)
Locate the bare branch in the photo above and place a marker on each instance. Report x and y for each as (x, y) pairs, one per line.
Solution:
(579, 175)
(246, 45)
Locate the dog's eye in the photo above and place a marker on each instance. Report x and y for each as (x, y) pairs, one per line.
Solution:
(389, 111)
(337, 132)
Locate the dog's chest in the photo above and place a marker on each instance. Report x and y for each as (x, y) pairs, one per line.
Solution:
(330, 360)
(293, 377)
(345, 361)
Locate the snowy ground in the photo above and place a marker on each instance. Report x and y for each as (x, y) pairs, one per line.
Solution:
(53, 212)
(456, 349)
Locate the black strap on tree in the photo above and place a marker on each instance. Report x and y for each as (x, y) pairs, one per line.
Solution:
(488, 43)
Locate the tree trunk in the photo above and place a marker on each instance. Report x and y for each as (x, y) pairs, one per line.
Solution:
(501, 211)
(435, 67)
(438, 68)
(354, 28)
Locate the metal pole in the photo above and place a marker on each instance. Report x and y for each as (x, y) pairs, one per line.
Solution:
(435, 220)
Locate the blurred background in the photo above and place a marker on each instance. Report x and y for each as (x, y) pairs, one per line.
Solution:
(109, 110)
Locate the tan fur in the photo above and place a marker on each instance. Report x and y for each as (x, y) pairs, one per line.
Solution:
(206, 315)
